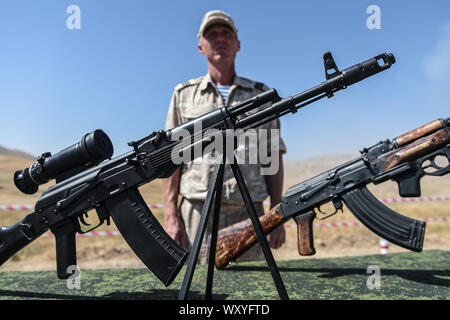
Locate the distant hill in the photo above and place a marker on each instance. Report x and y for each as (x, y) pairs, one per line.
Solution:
(310, 167)
(15, 153)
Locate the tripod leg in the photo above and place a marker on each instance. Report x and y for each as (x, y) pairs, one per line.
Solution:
(259, 231)
(200, 231)
(215, 230)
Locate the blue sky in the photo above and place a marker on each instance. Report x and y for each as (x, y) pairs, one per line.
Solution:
(119, 70)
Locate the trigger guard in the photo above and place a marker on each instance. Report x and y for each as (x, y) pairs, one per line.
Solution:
(436, 166)
(440, 171)
(327, 215)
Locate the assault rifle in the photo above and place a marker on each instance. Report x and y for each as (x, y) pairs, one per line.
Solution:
(86, 180)
(405, 160)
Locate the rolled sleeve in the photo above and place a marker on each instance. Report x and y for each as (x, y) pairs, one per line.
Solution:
(173, 115)
(278, 144)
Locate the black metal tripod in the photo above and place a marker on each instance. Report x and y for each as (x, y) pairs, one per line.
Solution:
(215, 194)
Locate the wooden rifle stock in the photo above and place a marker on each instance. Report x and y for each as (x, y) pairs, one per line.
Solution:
(236, 239)
(347, 183)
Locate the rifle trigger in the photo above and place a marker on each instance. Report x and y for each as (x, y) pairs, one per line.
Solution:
(337, 203)
(85, 214)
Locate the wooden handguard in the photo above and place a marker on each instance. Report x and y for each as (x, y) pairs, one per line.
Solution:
(305, 233)
(419, 132)
(234, 240)
(414, 150)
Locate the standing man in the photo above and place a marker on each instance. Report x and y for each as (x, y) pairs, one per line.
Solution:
(219, 43)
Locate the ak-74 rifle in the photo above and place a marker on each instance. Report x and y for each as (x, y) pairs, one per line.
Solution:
(406, 159)
(86, 180)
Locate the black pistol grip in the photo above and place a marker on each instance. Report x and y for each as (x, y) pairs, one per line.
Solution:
(409, 188)
(408, 183)
(388, 224)
(143, 233)
(66, 252)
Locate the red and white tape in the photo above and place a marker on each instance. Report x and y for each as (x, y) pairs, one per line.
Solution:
(90, 234)
(318, 225)
(419, 199)
(357, 224)
(15, 207)
(27, 207)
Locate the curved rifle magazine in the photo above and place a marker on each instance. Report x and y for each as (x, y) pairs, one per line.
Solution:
(388, 224)
(148, 239)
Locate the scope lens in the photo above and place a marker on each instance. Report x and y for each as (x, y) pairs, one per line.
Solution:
(24, 183)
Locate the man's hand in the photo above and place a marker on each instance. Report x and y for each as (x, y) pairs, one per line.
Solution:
(275, 186)
(277, 237)
(172, 222)
(175, 228)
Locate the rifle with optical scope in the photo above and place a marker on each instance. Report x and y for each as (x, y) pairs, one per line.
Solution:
(87, 180)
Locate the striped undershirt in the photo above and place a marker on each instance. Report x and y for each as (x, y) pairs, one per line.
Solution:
(224, 92)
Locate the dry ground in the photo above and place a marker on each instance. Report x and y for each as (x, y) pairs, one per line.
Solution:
(113, 252)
